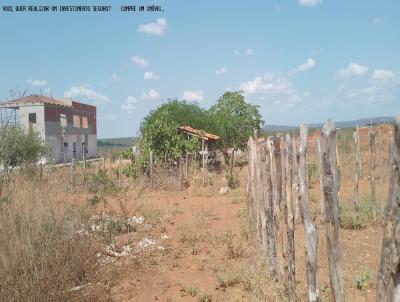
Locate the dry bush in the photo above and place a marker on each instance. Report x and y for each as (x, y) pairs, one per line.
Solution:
(42, 254)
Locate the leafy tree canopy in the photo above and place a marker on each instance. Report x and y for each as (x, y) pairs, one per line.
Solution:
(18, 148)
(159, 128)
(236, 119)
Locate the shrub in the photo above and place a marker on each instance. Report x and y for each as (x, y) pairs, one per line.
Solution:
(355, 220)
(100, 185)
(204, 297)
(363, 280)
(226, 277)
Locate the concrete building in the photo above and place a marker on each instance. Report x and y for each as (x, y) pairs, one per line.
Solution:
(68, 126)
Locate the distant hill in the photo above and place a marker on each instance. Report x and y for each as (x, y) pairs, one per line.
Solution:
(343, 124)
(117, 142)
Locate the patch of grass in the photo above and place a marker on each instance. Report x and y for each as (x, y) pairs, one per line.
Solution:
(234, 246)
(363, 280)
(355, 220)
(226, 277)
(152, 215)
(191, 290)
(204, 297)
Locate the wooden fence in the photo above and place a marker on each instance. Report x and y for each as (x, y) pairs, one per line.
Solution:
(278, 187)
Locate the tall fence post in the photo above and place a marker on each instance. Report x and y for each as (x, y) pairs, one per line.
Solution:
(290, 219)
(187, 166)
(331, 185)
(357, 149)
(309, 228)
(270, 221)
(388, 287)
(251, 198)
(203, 153)
(180, 172)
(380, 170)
(120, 171)
(372, 169)
(261, 200)
(151, 170)
(72, 176)
(319, 159)
(109, 163)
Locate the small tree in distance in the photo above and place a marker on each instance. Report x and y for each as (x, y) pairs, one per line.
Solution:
(236, 120)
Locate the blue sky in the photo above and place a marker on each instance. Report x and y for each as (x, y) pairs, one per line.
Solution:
(302, 61)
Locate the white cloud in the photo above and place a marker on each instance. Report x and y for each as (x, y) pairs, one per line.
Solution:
(157, 28)
(194, 95)
(376, 20)
(220, 71)
(308, 65)
(84, 92)
(237, 52)
(309, 3)
(149, 75)
(277, 8)
(274, 88)
(140, 61)
(249, 52)
(151, 95)
(381, 74)
(39, 83)
(229, 88)
(129, 105)
(115, 77)
(353, 69)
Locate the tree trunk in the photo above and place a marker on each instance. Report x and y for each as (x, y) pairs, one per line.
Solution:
(309, 227)
(331, 185)
(388, 287)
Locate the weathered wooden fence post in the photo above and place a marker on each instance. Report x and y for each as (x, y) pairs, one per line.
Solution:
(180, 172)
(261, 200)
(388, 287)
(331, 185)
(372, 166)
(187, 166)
(72, 176)
(290, 219)
(109, 163)
(120, 171)
(309, 227)
(151, 170)
(250, 184)
(380, 170)
(270, 222)
(356, 138)
(321, 186)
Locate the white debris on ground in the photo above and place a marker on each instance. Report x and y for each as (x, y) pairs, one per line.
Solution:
(165, 237)
(112, 253)
(224, 190)
(104, 222)
(146, 243)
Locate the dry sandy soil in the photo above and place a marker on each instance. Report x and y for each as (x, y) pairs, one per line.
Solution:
(199, 248)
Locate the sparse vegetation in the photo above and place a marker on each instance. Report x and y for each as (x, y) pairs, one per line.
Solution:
(355, 220)
(363, 280)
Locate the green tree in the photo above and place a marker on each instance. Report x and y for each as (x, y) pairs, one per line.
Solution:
(159, 128)
(236, 120)
(19, 149)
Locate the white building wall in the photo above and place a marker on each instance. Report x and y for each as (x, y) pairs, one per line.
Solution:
(39, 126)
